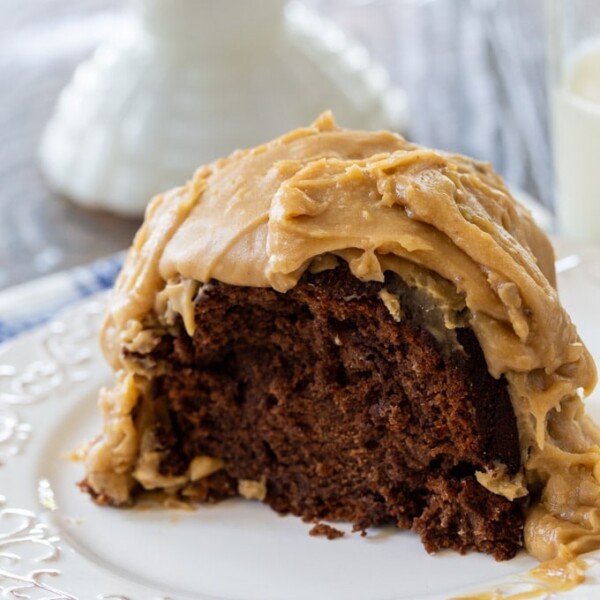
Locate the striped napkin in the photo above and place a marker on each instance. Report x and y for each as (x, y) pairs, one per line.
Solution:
(35, 302)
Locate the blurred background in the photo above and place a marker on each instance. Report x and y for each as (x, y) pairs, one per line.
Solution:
(461, 75)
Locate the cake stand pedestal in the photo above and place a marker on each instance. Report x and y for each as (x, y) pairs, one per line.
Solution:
(191, 80)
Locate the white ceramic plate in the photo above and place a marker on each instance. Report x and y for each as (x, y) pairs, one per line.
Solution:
(56, 544)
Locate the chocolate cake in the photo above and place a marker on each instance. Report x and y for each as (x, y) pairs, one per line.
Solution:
(349, 327)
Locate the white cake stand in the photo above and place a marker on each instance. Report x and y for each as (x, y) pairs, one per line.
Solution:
(191, 80)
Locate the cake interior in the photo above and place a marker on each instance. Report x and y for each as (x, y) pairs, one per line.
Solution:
(339, 400)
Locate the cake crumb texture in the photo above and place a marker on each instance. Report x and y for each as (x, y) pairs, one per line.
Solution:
(325, 530)
(386, 428)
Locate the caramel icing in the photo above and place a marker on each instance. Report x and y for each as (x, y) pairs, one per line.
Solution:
(562, 573)
(392, 303)
(317, 195)
(252, 490)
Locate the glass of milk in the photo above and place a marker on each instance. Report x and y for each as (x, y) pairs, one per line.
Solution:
(574, 28)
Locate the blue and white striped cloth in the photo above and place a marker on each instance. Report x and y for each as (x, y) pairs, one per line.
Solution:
(36, 302)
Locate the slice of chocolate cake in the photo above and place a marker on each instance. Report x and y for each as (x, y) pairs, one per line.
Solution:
(352, 328)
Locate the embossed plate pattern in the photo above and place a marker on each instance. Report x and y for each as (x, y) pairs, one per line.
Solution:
(56, 544)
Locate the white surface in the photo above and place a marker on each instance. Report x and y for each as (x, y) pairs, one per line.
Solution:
(576, 126)
(191, 81)
(233, 551)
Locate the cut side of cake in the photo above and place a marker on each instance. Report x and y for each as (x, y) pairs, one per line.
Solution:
(335, 408)
(349, 327)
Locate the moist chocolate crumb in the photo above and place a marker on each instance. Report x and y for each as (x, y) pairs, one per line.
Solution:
(322, 529)
(345, 413)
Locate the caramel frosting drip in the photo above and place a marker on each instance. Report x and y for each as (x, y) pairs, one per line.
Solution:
(263, 216)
